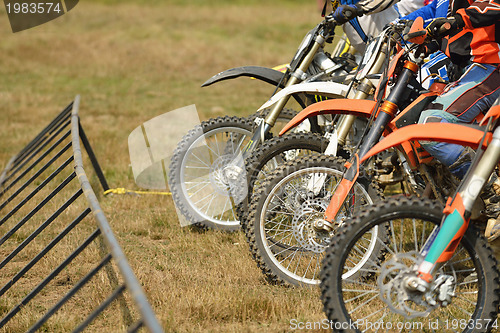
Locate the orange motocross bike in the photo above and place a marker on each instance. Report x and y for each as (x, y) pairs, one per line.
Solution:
(294, 213)
(437, 272)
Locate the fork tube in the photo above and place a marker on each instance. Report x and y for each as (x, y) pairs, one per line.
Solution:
(294, 78)
(347, 120)
(362, 92)
(388, 109)
(482, 172)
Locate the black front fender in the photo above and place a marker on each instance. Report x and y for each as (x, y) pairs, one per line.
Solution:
(265, 74)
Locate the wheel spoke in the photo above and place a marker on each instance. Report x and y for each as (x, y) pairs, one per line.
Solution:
(207, 166)
(415, 238)
(394, 243)
(192, 195)
(189, 189)
(363, 304)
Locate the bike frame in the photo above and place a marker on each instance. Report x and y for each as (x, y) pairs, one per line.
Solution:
(386, 120)
(309, 63)
(384, 115)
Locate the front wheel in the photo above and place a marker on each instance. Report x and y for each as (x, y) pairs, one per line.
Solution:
(200, 188)
(463, 296)
(283, 231)
(273, 153)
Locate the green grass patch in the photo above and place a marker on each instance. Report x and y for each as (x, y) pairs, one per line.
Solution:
(135, 60)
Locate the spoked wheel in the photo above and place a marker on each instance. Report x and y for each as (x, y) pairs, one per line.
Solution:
(285, 230)
(464, 295)
(273, 153)
(200, 187)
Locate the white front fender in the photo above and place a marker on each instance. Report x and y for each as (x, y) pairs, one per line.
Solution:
(327, 89)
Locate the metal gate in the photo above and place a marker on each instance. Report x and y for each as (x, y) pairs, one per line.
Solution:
(61, 267)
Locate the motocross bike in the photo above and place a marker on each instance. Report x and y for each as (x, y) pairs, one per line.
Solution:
(438, 272)
(203, 162)
(340, 136)
(295, 212)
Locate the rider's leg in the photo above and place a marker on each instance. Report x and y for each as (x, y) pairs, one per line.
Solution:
(461, 102)
(474, 93)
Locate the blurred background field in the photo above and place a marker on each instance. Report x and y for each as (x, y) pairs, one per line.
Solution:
(131, 61)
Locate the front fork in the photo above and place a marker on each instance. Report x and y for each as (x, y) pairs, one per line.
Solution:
(442, 243)
(345, 124)
(387, 111)
(296, 77)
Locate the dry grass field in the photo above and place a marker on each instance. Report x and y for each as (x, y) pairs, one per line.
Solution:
(131, 61)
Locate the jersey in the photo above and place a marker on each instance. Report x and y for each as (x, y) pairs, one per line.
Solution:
(378, 15)
(479, 40)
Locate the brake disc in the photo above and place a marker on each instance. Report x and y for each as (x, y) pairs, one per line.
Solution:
(303, 225)
(394, 291)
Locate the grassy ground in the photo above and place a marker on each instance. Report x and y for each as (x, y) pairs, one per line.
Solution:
(132, 61)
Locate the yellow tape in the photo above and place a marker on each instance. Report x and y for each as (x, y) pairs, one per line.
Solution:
(281, 68)
(122, 190)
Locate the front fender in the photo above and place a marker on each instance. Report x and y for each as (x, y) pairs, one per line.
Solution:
(357, 107)
(441, 132)
(265, 74)
(328, 89)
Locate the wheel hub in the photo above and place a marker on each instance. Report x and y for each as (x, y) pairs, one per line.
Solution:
(222, 174)
(303, 226)
(321, 224)
(407, 294)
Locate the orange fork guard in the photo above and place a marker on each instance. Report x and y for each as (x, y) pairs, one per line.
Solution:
(458, 205)
(451, 133)
(356, 107)
(493, 112)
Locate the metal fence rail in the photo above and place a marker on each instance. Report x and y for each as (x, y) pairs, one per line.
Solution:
(61, 269)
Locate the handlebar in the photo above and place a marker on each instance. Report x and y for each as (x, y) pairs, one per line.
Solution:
(349, 14)
(444, 28)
